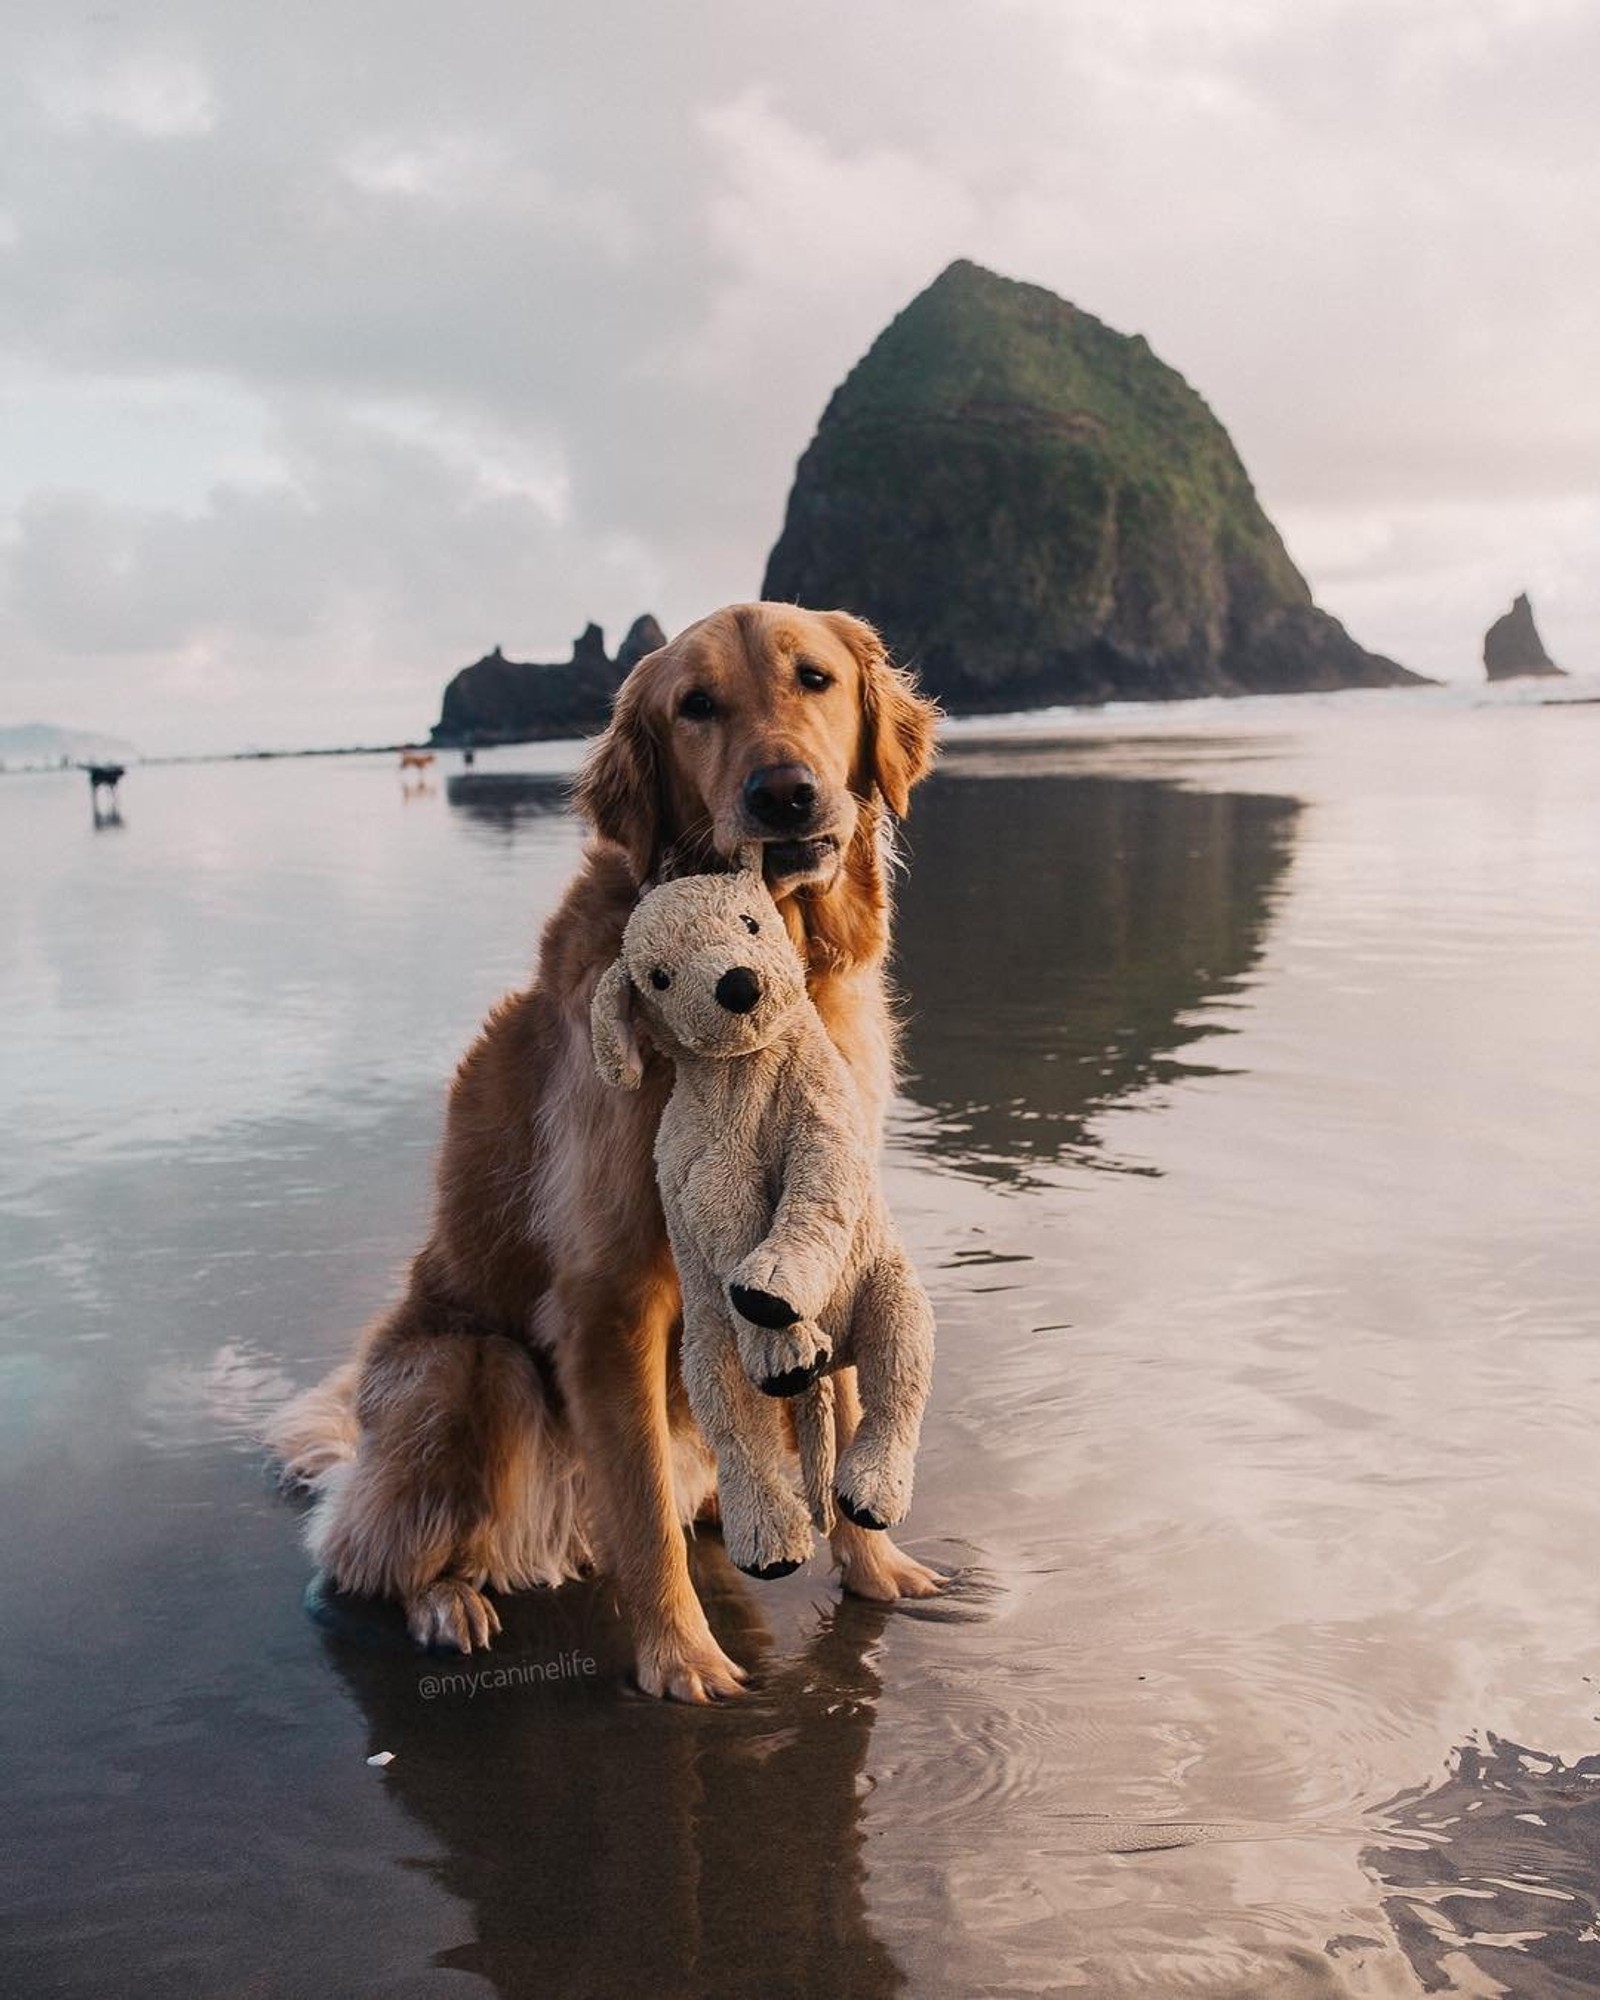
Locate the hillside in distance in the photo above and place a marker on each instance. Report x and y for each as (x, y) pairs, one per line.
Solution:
(1034, 509)
(32, 745)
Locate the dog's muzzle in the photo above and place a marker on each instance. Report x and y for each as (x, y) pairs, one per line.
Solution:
(784, 860)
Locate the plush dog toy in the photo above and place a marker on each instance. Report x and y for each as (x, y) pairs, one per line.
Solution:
(789, 1262)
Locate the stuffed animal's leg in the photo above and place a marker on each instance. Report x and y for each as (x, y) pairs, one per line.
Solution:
(892, 1343)
(765, 1528)
(781, 1355)
(812, 1413)
(794, 1271)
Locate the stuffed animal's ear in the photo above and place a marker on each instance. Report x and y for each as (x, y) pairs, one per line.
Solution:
(614, 1031)
(618, 790)
(898, 723)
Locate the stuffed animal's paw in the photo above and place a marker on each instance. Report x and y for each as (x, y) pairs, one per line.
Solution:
(770, 1287)
(767, 1534)
(860, 1513)
(762, 1308)
(783, 1361)
(873, 1487)
(770, 1572)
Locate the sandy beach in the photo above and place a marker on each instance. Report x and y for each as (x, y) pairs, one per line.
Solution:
(1248, 1147)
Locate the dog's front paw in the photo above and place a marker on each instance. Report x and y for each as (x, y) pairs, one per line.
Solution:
(451, 1613)
(871, 1566)
(676, 1668)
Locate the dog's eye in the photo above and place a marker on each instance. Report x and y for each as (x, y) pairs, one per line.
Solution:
(750, 925)
(697, 705)
(815, 679)
(660, 979)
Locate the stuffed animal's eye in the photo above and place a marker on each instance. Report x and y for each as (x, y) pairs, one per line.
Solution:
(815, 679)
(697, 705)
(660, 979)
(750, 925)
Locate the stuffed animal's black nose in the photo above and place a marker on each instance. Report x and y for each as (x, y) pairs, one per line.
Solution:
(782, 796)
(738, 990)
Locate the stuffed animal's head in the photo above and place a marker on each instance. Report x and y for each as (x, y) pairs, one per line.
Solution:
(707, 969)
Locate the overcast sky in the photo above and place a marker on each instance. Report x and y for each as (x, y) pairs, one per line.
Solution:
(339, 343)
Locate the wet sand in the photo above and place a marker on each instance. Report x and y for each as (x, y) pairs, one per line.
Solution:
(1249, 1148)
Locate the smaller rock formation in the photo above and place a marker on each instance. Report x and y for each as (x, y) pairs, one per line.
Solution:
(1512, 645)
(497, 700)
(644, 636)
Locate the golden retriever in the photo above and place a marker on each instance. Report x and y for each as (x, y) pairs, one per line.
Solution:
(518, 1415)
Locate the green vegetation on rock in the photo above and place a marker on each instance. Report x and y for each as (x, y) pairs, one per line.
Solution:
(1032, 508)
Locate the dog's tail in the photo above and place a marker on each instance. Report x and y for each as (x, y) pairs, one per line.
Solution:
(317, 1431)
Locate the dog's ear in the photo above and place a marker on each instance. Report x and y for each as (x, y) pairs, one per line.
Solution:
(898, 723)
(614, 1030)
(619, 790)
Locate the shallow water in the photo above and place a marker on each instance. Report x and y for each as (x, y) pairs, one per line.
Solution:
(1249, 1149)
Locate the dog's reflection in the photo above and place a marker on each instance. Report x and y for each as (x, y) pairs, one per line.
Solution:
(611, 1845)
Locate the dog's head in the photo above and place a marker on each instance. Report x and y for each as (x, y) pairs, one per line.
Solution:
(766, 724)
(707, 968)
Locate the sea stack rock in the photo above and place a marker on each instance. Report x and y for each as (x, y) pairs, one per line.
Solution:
(1512, 645)
(497, 700)
(1033, 508)
(644, 636)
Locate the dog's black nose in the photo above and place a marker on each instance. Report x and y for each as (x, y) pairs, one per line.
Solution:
(782, 796)
(738, 990)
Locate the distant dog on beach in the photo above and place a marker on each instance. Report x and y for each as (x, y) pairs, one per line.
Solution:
(520, 1413)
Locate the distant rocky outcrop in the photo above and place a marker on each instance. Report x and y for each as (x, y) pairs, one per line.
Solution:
(497, 700)
(1512, 645)
(1034, 509)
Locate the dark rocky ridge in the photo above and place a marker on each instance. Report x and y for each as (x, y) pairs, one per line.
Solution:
(1032, 508)
(1512, 645)
(497, 700)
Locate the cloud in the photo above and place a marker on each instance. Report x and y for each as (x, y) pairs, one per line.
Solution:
(392, 546)
(328, 360)
(794, 224)
(150, 95)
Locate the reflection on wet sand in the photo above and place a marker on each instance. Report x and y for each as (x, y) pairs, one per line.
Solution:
(1277, 1453)
(610, 1846)
(1055, 938)
(502, 800)
(1497, 1889)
